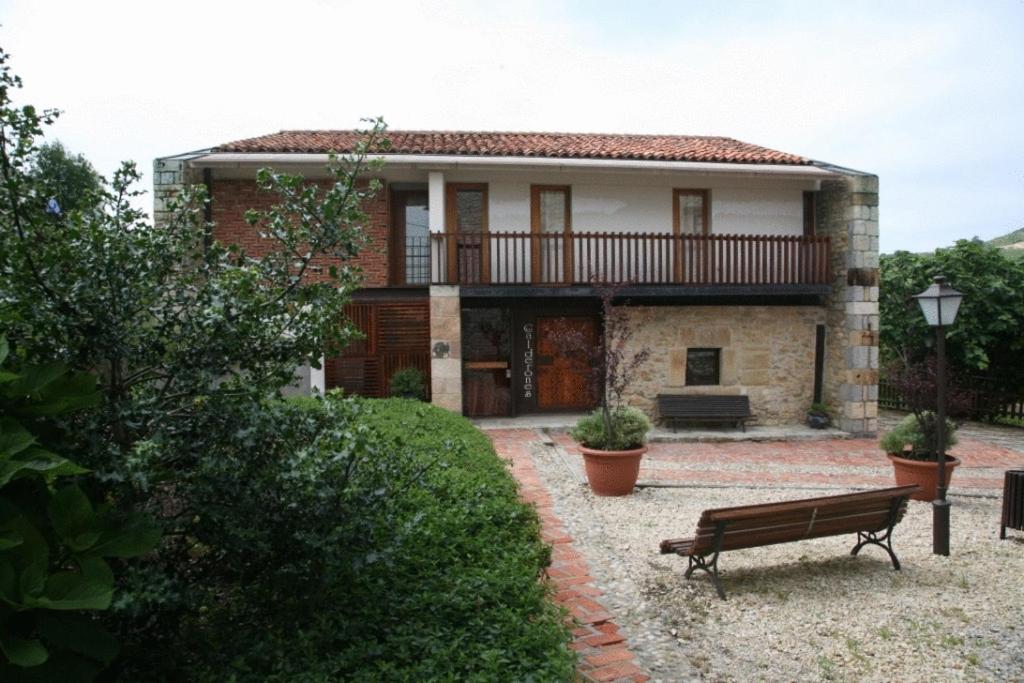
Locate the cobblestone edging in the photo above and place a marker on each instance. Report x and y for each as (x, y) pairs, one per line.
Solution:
(604, 654)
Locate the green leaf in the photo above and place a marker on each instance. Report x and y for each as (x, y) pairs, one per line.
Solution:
(39, 461)
(10, 538)
(77, 633)
(75, 590)
(35, 377)
(64, 394)
(136, 537)
(73, 518)
(22, 652)
(13, 437)
(4, 348)
(32, 556)
(8, 581)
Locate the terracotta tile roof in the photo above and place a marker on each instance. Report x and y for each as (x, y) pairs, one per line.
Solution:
(557, 145)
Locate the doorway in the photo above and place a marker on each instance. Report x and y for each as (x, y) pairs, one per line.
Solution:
(565, 373)
(409, 256)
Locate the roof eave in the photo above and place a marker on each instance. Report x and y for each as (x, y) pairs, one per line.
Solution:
(449, 162)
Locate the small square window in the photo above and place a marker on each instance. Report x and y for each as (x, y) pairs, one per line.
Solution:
(702, 366)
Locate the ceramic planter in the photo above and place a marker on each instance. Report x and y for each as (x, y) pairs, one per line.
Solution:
(818, 421)
(924, 473)
(612, 473)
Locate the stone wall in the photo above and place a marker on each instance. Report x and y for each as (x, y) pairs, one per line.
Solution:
(170, 175)
(767, 353)
(847, 211)
(446, 347)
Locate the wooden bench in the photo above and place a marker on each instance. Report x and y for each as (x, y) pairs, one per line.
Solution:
(870, 514)
(673, 408)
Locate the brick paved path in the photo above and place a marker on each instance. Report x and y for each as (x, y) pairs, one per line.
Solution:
(604, 652)
(839, 463)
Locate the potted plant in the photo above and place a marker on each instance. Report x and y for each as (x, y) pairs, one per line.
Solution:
(613, 438)
(612, 443)
(408, 383)
(910, 447)
(818, 416)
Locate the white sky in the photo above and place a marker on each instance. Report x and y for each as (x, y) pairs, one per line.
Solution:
(928, 95)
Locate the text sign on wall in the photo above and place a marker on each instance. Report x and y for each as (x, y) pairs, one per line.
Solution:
(528, 359)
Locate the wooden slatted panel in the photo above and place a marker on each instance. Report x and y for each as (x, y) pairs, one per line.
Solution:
(397, 336)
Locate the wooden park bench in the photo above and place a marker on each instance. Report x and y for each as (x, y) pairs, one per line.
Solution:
(673, 408)
(870, 514)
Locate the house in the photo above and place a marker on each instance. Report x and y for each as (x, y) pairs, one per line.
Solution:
(749, 270)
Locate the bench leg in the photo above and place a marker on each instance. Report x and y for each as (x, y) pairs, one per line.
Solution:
(884, 542)
(710, 568)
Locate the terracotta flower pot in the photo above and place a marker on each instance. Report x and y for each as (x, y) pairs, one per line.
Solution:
(924, 473)
(612, 473)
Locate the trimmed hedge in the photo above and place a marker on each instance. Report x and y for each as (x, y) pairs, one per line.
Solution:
(464, 602)
(391, 545)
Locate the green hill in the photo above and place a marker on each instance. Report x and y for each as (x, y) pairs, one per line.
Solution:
(1011, 239)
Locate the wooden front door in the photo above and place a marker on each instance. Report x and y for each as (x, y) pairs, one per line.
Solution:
(564, 378)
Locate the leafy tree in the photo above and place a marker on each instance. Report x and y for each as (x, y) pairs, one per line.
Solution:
(54, 541)
(70, 180)
(987, 335)
(176, 328)
(162, 315)
(610, 364)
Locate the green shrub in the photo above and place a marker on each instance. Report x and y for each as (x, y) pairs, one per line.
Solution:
(819, 409)
(358, 539)
(909, 432)
(630, 427)
(54, 541)
(409, 383)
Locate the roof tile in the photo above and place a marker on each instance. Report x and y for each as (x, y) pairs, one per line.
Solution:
(553, 145)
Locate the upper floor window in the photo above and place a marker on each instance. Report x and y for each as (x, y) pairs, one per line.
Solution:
(551, 223)
(468, 252)
(410, 238)
(690, 212)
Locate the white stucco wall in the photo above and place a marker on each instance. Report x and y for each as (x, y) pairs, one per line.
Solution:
(622, 203)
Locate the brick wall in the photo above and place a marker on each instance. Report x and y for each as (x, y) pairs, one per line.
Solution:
(232, 198)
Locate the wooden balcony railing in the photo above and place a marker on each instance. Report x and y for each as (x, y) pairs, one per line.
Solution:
(523, 258)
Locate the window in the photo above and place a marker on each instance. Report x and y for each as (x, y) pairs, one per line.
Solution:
(702, 366)
(551, 223)
(690, 212)
(810, 221)
(468, 242)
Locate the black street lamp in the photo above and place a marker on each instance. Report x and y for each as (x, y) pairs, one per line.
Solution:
(940, 303)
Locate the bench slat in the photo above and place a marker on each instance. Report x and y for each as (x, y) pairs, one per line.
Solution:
(740, 512)
(769, 523)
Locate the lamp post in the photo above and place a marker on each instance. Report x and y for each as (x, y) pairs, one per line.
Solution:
(940, 304)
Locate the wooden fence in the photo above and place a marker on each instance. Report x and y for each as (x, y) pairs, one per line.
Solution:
(986, 399)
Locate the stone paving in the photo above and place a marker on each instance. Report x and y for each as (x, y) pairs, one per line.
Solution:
(605, 655)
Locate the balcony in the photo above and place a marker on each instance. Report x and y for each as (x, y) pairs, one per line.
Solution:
(511, 259)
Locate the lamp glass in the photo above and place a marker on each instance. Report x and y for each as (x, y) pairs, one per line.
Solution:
(950, 306)
(930, 308)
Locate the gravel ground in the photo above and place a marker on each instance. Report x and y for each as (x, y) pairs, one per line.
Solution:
(799, 611)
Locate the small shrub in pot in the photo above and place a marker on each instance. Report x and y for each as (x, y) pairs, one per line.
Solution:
(408, 383)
